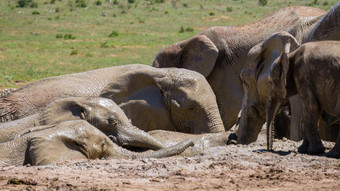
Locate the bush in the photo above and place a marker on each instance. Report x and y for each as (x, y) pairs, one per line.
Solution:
(325, 3)
(35, 13)
(211, 13)
(131, 1)
(229, 9)
(24, 3)
(114, 34)
(81, 3)
(69, 37)
(52, 2)
(189, 29)
(34, 5)
(98, 2)
(181, 30)
(59, 35)
(263, 2)
(74, 52)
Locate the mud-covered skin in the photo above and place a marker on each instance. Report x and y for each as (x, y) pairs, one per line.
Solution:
(72, 140)
(102, 113)
(181, 100)
(202, 142)
(311, 71)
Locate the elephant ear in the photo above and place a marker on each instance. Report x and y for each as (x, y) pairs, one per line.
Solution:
(43, 151)
(62, 110)
(284, 62)
(272, 48)
(199, 54)
(140, 96)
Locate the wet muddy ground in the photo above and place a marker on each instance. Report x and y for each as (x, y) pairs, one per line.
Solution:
(232, 167)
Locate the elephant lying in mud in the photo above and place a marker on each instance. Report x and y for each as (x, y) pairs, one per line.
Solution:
(219, 53)
(169, 99)
(72, 140)
(313, 72)
(102, 113)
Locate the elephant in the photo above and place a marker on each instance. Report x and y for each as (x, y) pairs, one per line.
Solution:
(256, 91)
(102, 113)
(72, 140)
(310, 71)
(169, 99)
(201, 142)
(219, 53)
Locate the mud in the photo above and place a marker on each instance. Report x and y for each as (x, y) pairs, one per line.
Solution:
(232, 167)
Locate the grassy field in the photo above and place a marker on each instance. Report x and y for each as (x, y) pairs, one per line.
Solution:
(54, 37)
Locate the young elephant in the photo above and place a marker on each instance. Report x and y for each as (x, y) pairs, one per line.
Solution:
(72, 140)
(168, 99)
(312, 71)
(102, 113)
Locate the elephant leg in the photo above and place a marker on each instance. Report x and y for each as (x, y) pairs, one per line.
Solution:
(310, 116)
(335, 152)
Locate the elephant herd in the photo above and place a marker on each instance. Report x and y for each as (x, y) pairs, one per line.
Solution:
(284, 68)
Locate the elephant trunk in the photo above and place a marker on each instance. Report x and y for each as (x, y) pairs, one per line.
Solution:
(119, 152)
(272, 107)
(215, 122)
(131, 136)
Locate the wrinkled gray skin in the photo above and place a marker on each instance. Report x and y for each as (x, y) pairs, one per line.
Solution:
(72, 140)
(168, 99)
(255, 78)
(219, 53)
(202, 142)
(311, 71)
(102, 113)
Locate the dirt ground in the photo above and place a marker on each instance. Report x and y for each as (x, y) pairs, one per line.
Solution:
(231, 167)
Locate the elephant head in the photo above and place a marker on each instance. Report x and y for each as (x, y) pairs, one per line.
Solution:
(169, 99)
(256, 83)
(102, 113)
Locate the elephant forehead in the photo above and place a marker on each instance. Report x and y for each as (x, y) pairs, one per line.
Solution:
(106, 103)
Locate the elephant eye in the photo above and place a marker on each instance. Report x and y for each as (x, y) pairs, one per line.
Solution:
(83, 114)
(191, 107)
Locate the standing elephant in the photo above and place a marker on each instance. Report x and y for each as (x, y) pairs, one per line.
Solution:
(311, 71)
(102, 113)
(219, 53)
(169, 99)
(72, 140)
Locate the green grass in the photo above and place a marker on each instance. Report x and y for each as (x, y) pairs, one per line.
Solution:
(34, 46)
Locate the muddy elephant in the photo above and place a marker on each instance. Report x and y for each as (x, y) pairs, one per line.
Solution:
(312, 72)
(102, 113)
(219, 53)
(169, 99)
(72, 140)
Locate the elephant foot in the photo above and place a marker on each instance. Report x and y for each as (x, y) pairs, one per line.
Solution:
(303, 148)
(333, 154)
(316, 148)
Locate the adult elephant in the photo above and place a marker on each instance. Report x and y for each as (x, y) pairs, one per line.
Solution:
(72, 140)
(102, 113)
(219, 53)
(169, 99)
